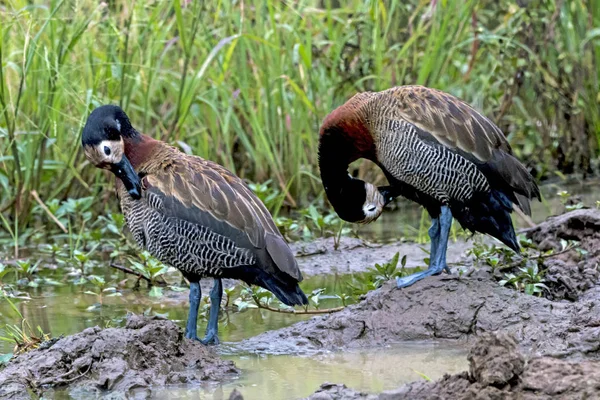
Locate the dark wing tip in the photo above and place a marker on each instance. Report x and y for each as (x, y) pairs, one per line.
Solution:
(282, 256)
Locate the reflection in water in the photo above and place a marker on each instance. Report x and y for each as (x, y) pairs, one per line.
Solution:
(293, 377)
(64, 310)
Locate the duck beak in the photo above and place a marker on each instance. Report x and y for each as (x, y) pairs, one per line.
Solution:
(387, 194)
(125, 172)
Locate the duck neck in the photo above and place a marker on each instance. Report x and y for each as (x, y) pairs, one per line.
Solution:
(336, 151)
(139, 149)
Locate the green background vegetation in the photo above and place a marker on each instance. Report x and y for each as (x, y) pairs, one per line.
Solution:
(247, 83)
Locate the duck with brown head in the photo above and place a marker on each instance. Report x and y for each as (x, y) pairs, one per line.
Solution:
(435, 150)
(192, 214)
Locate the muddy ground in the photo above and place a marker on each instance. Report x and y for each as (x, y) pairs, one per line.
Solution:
(146, 352)
(462, 307)
(320, 257)
(564, 324)
(497, 370)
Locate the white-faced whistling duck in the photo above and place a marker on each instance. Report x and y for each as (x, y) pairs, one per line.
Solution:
(192, 214)
(435, 150)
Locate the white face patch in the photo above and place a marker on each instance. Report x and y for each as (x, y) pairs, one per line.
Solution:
(105, 153)
(373, 205)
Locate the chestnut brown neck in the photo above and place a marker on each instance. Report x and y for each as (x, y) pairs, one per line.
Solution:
(140, 149)
(346, 127)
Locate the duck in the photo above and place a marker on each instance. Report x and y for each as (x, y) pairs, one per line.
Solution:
(435, 150)
(192, 214)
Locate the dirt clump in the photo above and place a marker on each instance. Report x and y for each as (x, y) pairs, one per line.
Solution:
(570, 274)
(445, 307)
(460, 308)
(497, 371)
(146, 352)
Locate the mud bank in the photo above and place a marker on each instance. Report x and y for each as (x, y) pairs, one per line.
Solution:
(146, 352)
(569, 275)
(320, 257)
(497, 370)
(459, 308)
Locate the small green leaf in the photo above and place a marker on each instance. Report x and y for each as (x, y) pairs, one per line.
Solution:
(5, 358)
(156, 291)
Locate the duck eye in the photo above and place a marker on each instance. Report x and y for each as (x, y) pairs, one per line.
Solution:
(107, 150)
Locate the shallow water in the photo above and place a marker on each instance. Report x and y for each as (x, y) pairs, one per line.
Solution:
(293, 377)
(65, 310)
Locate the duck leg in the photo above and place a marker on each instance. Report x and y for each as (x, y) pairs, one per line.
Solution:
(192, 321)
(439, 232)
(434, 235)
(212, 329)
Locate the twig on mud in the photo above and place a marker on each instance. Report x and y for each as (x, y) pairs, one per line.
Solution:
(81, 375)
(57, 378)
(540, 257)
(312, 253)
(132, 272)
(297, 312)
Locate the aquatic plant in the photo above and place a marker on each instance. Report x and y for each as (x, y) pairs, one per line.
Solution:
(22, 335)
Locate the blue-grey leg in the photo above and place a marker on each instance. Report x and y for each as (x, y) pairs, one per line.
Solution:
(212, 329)
(192, 321)
(437, 260)
(434, 236)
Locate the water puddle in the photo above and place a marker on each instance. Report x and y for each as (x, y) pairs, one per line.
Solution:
(64, 310)
(293, 377)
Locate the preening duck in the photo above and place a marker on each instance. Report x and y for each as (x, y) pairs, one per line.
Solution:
(192, 214)
(435, 150)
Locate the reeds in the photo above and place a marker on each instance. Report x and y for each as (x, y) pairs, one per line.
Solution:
(247, 83)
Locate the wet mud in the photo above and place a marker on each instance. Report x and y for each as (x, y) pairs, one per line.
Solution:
(321, 257)
(146, 352)
(497, 370)
(570, 274)
(463, 307)
(536, 346)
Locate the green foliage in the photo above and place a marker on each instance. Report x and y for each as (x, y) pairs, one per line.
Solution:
(529, 280)
(101, 289)
(569, 201)
(312, 222)
(151, 268)
(247, 84)
(376, 276)
(21, 335)
(523, 272)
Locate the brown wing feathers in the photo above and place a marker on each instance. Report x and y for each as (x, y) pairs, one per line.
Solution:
(458, 126)
(208, 187)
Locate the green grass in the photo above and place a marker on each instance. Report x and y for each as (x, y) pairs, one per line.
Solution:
(247, 83)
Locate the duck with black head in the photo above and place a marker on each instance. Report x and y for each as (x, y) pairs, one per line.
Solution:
(192, 214)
